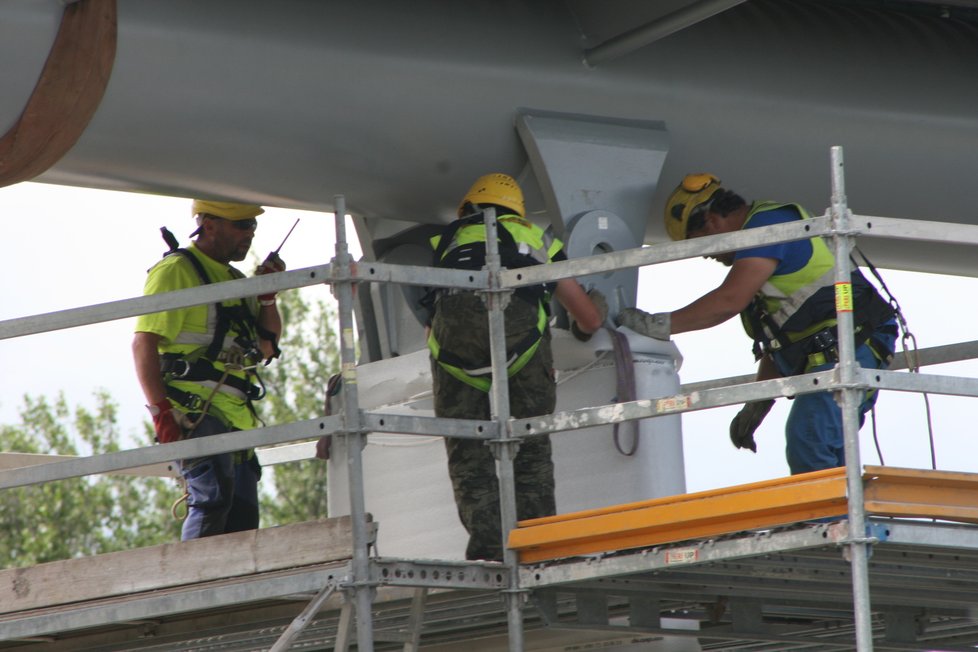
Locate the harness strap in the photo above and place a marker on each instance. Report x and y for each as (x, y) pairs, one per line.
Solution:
(759, 320)
(506, 239)
(827, 349)
(472, 255)
(175, 367)
(188, 400)
(517, 357)
(227, 316)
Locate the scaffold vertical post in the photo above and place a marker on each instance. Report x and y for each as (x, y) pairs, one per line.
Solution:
(362, 591)
(496, 301)
(849, 399)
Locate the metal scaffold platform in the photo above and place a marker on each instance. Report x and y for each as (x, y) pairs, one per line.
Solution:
(853, 558)
(778, 588)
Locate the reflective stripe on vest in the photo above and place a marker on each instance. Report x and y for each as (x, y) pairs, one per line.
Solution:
(530, 239)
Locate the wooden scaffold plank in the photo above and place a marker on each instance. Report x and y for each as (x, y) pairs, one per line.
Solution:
(175, 564)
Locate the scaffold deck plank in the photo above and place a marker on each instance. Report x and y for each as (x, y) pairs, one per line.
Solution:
(804, 497)
(175, 564)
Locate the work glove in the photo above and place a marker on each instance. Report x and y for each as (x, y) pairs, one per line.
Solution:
(271, 265)
(746, 422)
(166, 422)
(601, 304)
(658, 325)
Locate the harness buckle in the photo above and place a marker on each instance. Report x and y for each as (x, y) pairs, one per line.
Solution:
(824, 340)
(193, 402)
(177, 368)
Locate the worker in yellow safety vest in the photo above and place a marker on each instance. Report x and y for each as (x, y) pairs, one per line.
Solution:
(785, 294)
(198, 366)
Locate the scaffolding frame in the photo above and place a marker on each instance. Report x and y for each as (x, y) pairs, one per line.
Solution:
(360, 579)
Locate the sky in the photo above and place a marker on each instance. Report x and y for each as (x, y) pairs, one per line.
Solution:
(70, 247)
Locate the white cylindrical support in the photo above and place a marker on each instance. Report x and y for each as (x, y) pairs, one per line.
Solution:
(849, 399)
(591, 470)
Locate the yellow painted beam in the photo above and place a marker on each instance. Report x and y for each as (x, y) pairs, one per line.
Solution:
(945, 495)
(888, 491)
(662, 520)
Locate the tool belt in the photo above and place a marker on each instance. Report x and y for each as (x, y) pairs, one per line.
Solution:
(175, 367)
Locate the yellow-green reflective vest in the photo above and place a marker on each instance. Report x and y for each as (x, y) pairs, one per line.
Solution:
(784, 295)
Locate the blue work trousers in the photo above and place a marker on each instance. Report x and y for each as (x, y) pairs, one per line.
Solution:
(223, 489)
(813, 431)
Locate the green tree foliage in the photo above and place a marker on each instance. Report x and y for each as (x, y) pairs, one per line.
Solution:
(296, 385)
(80, 516)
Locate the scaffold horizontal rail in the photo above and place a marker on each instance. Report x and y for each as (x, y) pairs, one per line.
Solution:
(896, 492)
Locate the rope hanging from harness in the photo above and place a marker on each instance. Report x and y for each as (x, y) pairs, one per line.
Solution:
(909, 345)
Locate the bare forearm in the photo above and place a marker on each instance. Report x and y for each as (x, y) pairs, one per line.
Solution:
(710, 310)
(575, 300)
(147, 361)
(767, 369)
(270, 319)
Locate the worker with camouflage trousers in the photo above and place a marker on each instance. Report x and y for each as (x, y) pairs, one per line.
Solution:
(461, 361)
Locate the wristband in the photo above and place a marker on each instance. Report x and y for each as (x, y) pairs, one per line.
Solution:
(267, 301)
(156, 409)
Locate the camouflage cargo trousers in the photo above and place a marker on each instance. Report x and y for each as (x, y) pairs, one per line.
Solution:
(460, 325)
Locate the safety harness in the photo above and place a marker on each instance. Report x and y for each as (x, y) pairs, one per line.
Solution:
(808, 336)
(472, 255)
(817, 343)
(199, 365)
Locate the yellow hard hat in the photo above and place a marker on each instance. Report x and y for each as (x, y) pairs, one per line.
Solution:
(226, 209)
(694, 191)
(496, 188)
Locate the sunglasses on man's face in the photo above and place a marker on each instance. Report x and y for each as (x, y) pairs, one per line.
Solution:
(242, 225)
